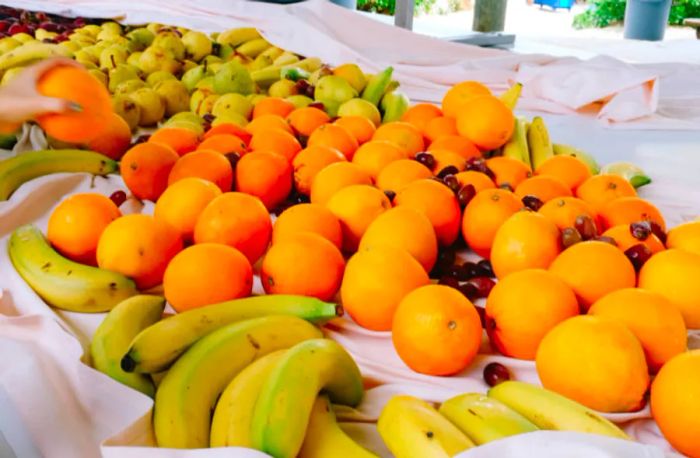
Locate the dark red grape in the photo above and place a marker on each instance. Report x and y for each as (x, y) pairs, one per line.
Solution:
(233, 159)
(532, 202)
(208, 117)
(495, 373)
(448, 280)
(4, 25)
(78, 22)
(49, 26)
(658, 231)
(484, 269)
(585, 226)
(318, 105)
(452, 182)
(449, 170)
(41, 16)
(484, 285)
(142, 139)
(638, 254)
(426, 159)
(445, 259)
(118, 197)
(18, 28)
(640, 230)
(606, 239)
(469, 291)
(479, 165)
(466, 194)
(570, 237)
(390, 195)
(471, 270)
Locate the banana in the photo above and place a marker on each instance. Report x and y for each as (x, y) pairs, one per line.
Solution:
(114, 334)
(283, 408)
(188, 393)
(539, 142)
(517, 147)
(511, 96)
(567, 150)
(377, 85)
(31, 52)
(253, 48)
(294, 73)
(266, 76)
(325, 439)
(272, 53)
(157, 346)
(238, 36)
(630, 172)
(286, 58)
(230, 425)
(484, 419)
(412, 428)
(394, 104)
(310, 64)
(62, 283)
(26, 166)
(550, 410)
(260, 62)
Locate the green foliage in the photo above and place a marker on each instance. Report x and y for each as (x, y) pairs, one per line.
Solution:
(602, 13)
(388, 6)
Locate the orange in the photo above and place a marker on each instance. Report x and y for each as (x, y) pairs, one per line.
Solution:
(224, 144)
(543, 187)
(486, 121)
(596, 362)
(80, 87)
(267, 176)
(182, 203)
(479, 180)
(563, 211)
(484, 215)
(309, 162)
(273, 106)
(675, 396)
(374, 155)
(115, 138)
(145, 169)
(570, 170)
(625, 240)
(651, 317)
(436, 330)
(356, 206)
(396, 175)
(594, 269)
(405, 228)
(403, 135)
(627, 210)
(375, 281)
(209, 165)
(360, 127)
(438, 203)
(456, 144)
(140, 247)
(516, 330)
(76, 224)
(601, 189)
(674, 274)
(317, 272)
(307, 119)
(446, 158)
(182, 141)
(526, 240)
(420, 114)
(205, 274)
(459, 94)
(276, 141)
(237, 220)
(268, 122)
(685, 237)
(231, 129)
(313, 218)
(508, 171)
(335, 177)
(439, 127)
(334, 136)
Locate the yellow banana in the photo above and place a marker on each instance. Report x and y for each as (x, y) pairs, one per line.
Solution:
(61, 282)
(517, 147)
(272, 53)
(285, 402)
(567, 150)
(310, 64)
(286, 58)
(511, 96)
(539, 142)
(267, 76)
(157, 346)
(188, 393)
(325, 439)
(260, 62)
(113, 335)
(230, 425)
(253, 48)
(31, 52)
(238, 36)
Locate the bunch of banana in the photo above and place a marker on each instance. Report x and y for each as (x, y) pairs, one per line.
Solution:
(30, 52)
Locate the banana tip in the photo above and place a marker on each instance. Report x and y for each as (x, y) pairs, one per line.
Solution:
(128, 364)
(339, 310)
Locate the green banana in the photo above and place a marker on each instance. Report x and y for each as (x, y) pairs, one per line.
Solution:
(253, 48)
(324, 438)
(517, 147)
(294, 73)
(266, 76)
(539, 142)
(238, 36)
(26, 166)
(412, 428)
(567, 150)
(282, 412)
(157, 346)
(630, 172)
(377, 85)
(230, 425)
(394, 104)
(31, 52)
(62, 283)
(511, 96)
(188, 393)
(550, 410)
(484, 419)
(113, 336)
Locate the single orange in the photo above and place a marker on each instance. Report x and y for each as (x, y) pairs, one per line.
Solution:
(360, 127)
(231, 129)
(145, 169)
(356, 206)
(224, 143)
(273, 106)
(309, 162)
(209, 165)
(403, 135)
(374, 155)
(334, 136)
(627, 210)
(182, 203)
(307, 119)
(459, 94)
(420, 114)
(486, 121)
(182, 141)
(267, 176)
(685, 237)
(276, 141)
(508, 171)
(601, 189)
(543, 187)
(479, 180)
(335, 177)
(439, 127)
(396, 175)
(570, 170)
(622, 234)
(268, 122)
(312, 218)
(114, 140)
(563, 211)
(456, 144)
(484, 215)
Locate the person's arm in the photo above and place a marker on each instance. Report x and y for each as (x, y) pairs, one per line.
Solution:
(20, 101)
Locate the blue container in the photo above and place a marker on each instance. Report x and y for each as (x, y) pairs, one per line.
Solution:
(554, 4)
(646, 19)
(349, 4)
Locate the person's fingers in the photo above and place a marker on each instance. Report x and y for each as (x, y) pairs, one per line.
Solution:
(35, 71)
(55, 105)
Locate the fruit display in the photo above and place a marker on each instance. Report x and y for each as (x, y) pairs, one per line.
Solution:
(272, 197)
